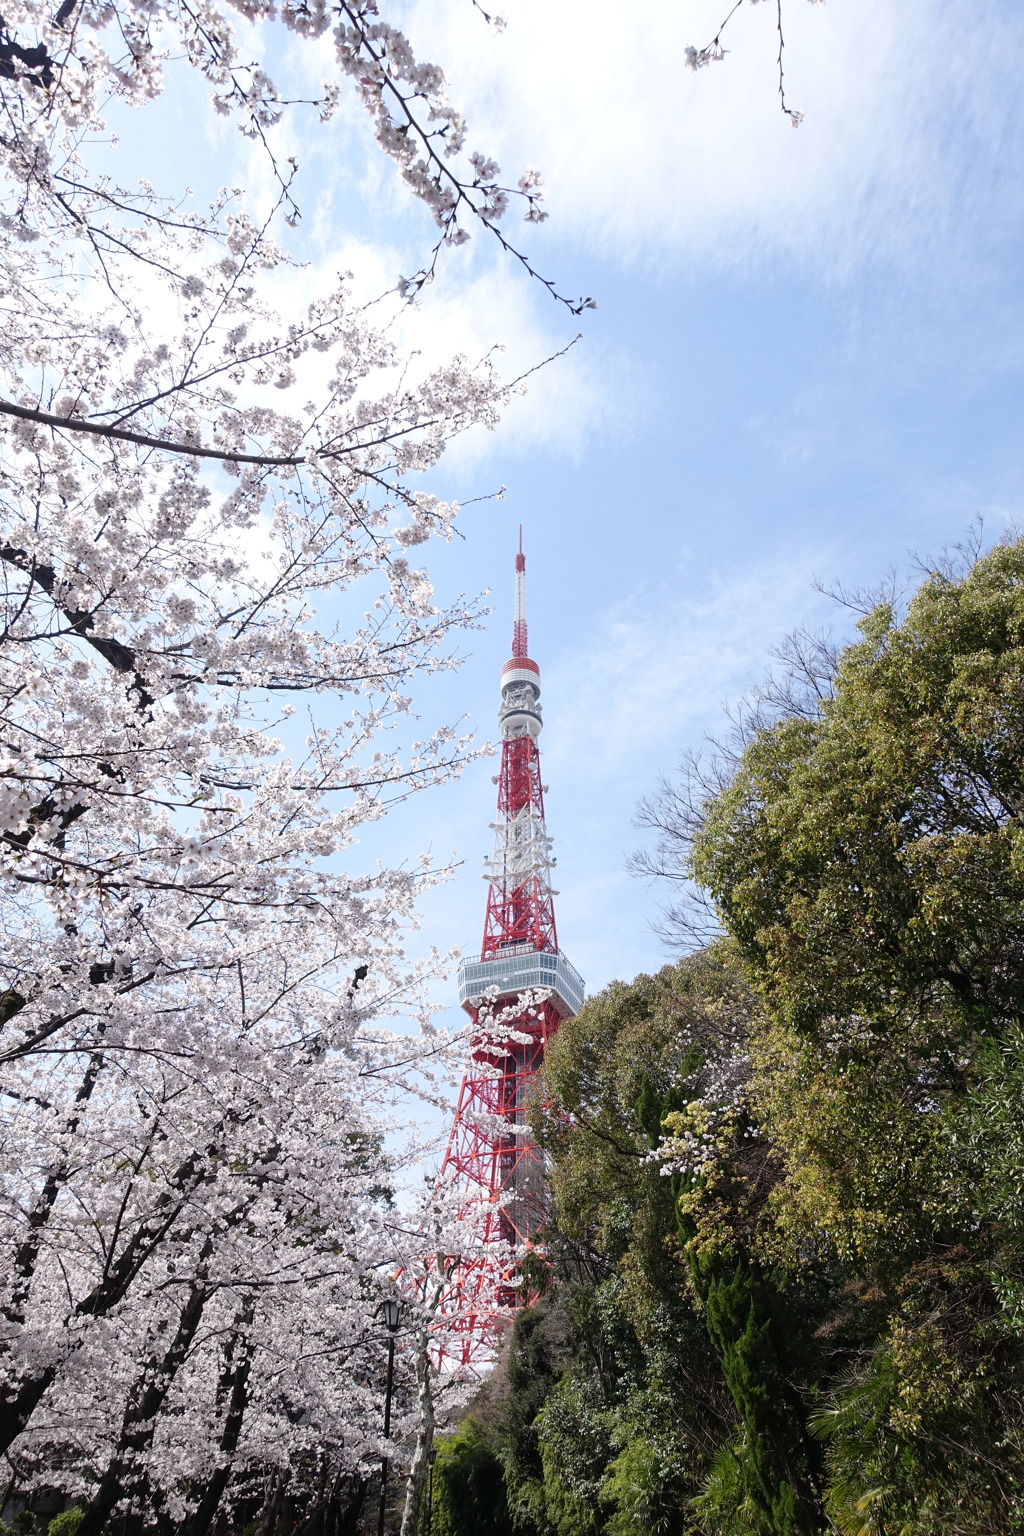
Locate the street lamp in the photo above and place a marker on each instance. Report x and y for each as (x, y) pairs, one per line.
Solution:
(392, 1309)
(431, 1457)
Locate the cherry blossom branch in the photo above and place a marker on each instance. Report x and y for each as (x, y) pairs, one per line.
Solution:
(233, 456)
(143, 440)
(115, 652)
(497, 22)
(445, 192)
(714, 53)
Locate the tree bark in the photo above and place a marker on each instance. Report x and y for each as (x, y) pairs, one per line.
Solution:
(23, 1267)
(424, 1435)
(234, 1383)
(125, 1477)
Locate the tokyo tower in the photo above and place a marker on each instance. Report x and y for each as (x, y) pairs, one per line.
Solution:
(496, 1169)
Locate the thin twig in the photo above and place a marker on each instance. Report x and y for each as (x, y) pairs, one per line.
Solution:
(712, 52)
(796, 118)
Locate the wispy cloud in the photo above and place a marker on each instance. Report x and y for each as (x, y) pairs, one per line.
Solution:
(656, 668)
(911, 123)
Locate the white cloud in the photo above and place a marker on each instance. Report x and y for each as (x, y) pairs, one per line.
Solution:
(911, 122)
(476, 311)
(656, 667)
(912, 142)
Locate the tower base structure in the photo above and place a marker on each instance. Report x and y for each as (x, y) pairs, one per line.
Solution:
(517, 999)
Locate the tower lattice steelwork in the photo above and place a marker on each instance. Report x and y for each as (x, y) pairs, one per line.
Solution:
(497, 1169)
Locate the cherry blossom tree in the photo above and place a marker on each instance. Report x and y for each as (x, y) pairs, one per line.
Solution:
(248, 1337)
(198, 490)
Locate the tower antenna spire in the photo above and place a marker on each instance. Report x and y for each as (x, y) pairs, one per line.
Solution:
(497, 1171)
(519, 647)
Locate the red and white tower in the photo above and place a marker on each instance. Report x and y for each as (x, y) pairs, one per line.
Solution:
(496, 1168)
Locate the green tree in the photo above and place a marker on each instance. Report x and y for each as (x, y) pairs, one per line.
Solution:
(687, 1255)
(866, 858)
(574, 1436)
(66, 1523)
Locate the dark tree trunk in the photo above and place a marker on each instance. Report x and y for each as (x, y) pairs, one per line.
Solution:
(125, 1476)
(234, 1386)
(17, 1405)
(23, 1267)
(349, 1512)
(271, 1506)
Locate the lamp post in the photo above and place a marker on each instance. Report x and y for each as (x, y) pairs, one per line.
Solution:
(392, 1310)
(431, 1457)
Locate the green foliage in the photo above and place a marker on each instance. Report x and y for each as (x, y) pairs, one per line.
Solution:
(725, 1506)
(537, 1355)
(925, 1433)
(991, 1140)
(66, 1523)
(869, 862)
(575, 1441)
(777, 1468)
(469, 1486)
(645, 1489)
(626, 1436)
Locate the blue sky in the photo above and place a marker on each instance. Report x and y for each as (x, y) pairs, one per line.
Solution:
(807, 361)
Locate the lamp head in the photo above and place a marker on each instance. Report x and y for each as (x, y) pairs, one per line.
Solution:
(432, 1454)
(392, 1312)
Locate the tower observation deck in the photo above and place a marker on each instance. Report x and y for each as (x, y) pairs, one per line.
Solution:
(518, 992)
